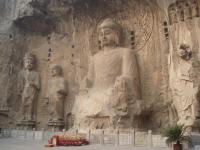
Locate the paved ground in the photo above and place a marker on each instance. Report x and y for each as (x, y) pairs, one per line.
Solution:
(17, 144)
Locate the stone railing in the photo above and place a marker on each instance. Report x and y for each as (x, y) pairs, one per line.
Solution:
(104, 137)
(4, 109)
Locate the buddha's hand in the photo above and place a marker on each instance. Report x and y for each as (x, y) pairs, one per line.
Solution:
(31, 84)
(60, 94)
(120, 85)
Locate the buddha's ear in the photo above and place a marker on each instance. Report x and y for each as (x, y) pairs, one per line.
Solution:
(117, 38)
(99, 44)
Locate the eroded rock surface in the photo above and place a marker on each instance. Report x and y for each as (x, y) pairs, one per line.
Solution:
(162, 36)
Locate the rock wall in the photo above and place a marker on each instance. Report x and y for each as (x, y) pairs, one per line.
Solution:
(12, 50)
(65, 33)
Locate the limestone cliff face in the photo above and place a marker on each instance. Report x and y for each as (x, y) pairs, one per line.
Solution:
(11, 59)
(64, 32)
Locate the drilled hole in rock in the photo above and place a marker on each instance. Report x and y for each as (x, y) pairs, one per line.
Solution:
(132, 43)
(73, 46)
(165, 23)
(132, 32)
(132, 38)
(165, 30)
(10, 36)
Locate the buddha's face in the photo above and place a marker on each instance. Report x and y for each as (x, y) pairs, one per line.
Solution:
(55, 71)
(28, 64)
(108, 37)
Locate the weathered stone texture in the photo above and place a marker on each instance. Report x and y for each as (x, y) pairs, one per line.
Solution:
(65, 33)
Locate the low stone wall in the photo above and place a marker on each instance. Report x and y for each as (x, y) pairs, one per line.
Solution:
(104, 137)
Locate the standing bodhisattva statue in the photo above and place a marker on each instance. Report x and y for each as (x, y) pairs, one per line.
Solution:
(111, 85)
(31, 85)
(57, 93)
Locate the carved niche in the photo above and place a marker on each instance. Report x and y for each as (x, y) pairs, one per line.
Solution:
(183, 10)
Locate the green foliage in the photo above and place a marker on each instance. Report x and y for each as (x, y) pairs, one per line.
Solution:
(175, 134)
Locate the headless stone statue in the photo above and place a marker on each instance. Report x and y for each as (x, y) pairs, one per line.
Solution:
(111, 85)
(31, 85)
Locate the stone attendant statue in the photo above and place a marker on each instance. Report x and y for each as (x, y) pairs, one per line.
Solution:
(57, 93)
(172, 10)
(111, 85)
(31, 85)
(186, 97)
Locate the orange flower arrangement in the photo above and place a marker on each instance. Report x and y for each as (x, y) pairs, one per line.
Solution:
(67, 140)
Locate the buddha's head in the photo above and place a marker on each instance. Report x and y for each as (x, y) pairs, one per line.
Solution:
(29, 61)
(109, 33)
(56, 70)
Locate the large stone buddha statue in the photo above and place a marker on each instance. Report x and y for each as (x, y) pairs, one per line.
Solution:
(111, 86)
